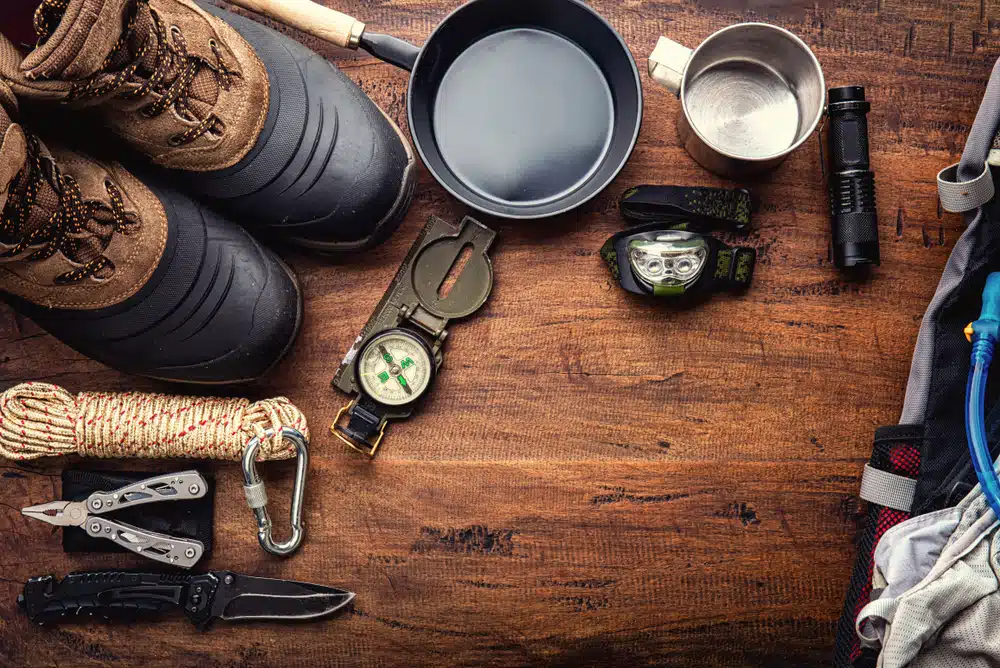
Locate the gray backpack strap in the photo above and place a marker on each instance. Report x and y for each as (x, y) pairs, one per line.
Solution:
(961, 196)
(888, 489)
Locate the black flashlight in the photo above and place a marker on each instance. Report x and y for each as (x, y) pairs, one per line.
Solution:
(852, 182)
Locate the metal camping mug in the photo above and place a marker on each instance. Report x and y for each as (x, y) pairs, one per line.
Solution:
(751, 94)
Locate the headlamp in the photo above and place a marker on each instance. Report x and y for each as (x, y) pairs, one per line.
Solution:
(656, 260)
(670, 263)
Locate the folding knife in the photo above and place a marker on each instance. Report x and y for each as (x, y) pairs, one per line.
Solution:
(128, 595)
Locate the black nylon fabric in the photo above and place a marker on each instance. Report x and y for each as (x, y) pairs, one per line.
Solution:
(191, 519)
(945, 459)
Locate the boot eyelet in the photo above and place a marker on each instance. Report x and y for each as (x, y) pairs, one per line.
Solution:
(175, 31)
(175, 140)
(146, 113)
(219, 129)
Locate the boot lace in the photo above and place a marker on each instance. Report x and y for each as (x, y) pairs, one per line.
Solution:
(75, 226)
(171, 75)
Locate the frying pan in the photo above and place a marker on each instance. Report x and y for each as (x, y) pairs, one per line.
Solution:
(519, 108)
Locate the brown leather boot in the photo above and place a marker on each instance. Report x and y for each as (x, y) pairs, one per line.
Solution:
(241, 114)
(131, 273)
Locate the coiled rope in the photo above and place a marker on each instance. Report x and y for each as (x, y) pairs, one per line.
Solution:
(42, 420)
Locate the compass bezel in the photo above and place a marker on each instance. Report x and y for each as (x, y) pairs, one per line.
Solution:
(390, 333)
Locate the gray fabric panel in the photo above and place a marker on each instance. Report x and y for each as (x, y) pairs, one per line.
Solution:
(909, 551)
(969, 640)
(977, 150)
(916, 609)
(961, 196)
(924, 630)
(905, 556)
(887, 489)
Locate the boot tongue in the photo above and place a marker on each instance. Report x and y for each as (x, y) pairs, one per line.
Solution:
(94, 233)
(16, 160)
(13, 146)
(81, 37)
(14, 173)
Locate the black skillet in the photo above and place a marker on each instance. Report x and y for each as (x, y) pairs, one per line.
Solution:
(519, 108)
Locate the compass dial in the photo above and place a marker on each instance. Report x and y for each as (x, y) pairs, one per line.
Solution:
(395, 368)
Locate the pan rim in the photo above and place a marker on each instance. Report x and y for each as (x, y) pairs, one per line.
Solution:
(569, 206)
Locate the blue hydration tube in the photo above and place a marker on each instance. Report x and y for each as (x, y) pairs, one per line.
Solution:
(983, 335)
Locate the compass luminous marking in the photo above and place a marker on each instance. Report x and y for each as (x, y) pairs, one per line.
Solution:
(395, 369)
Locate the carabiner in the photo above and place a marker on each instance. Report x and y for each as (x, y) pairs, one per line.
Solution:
(257, 495)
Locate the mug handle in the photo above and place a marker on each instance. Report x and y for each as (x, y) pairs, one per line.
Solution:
(667, 64)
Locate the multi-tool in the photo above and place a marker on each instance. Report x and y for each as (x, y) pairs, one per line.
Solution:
(128, 595)
(89, 516)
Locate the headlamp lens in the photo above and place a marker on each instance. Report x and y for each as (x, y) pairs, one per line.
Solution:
(673, 259)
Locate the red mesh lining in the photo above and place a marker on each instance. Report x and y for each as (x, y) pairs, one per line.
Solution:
(886, 519)
(905, 460)
(901, 459)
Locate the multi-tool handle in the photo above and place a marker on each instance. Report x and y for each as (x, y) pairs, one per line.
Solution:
(117, 595)
(182, 552)
(171, 487)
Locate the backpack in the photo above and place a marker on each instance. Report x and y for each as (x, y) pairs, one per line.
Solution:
(924, 590)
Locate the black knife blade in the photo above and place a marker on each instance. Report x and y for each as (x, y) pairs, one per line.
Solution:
(245, 597)
(129, 595)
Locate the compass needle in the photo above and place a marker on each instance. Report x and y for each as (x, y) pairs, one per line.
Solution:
(385, 354)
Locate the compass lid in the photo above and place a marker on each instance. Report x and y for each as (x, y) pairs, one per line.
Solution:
(434, 264)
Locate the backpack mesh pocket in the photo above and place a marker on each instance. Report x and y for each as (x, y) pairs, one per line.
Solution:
(896, 450)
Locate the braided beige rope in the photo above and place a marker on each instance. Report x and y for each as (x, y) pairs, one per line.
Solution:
(42, 420)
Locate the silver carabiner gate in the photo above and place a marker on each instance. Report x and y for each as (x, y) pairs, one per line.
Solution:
(257, 495)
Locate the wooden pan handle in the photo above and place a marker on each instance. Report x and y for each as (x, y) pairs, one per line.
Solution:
(311, 18)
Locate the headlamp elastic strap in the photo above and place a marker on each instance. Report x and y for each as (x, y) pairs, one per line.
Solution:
(734, 268)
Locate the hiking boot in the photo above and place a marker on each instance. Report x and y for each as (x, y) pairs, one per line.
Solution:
(133, 274)
(271, 132)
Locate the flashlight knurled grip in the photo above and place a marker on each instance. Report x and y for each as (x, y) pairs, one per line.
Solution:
(853, 215)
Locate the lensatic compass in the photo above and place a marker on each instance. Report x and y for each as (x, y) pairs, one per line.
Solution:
(394, 361)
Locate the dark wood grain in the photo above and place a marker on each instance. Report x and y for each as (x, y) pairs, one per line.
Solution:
(596, 480)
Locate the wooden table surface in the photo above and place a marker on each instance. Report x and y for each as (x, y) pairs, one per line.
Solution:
(596, 480)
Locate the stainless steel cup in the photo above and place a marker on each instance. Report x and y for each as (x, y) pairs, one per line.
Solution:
(751, 94)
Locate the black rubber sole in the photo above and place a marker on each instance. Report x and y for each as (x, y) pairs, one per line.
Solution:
(281, 356)
(284, 353)
(330, 170)
(387, 226)
(219, 308)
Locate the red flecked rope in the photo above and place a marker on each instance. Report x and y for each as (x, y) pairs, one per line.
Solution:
(42, 420)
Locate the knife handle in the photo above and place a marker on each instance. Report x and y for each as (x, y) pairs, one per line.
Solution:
(117, 595)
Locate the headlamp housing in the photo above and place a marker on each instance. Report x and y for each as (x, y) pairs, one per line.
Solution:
(659, 260)
(671, 262)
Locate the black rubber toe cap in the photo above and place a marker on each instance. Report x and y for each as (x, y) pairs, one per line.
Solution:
(218, 309)
(328, 168)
